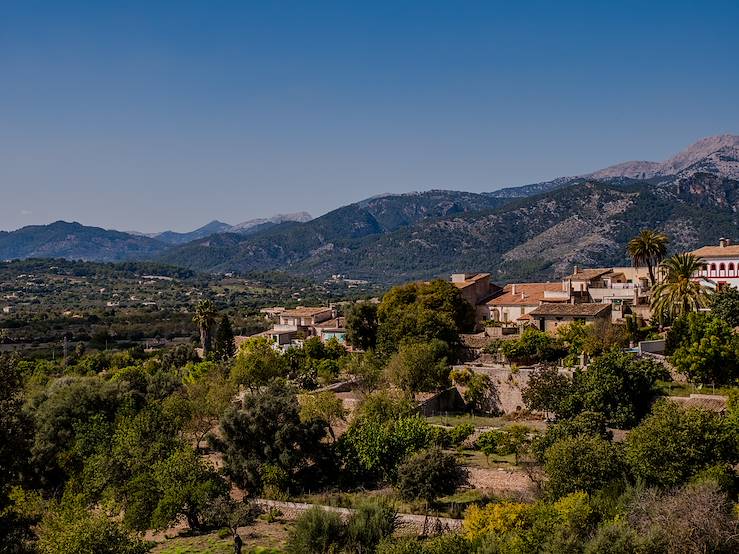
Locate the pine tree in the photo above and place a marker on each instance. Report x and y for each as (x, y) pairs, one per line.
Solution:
(225, 345)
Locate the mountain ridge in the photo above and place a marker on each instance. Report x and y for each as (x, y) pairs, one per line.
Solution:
(526, 232)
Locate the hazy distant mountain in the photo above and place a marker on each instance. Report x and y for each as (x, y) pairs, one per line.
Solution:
(292, 242)
(74, 241)
(172, 237)
(246, 227)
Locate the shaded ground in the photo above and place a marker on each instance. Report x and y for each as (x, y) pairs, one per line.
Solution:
(260, 534)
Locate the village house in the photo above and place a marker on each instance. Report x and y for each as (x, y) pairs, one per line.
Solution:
(476, 288)
(550, 316)
(720, 264)
(294, 325)
(624, 288)
(520, 299)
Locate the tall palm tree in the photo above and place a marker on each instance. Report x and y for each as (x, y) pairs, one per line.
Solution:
(205, 318)
(648, 248)
(679, 293)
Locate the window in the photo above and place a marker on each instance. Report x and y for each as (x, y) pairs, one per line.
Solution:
(713, 269)
(731, 268)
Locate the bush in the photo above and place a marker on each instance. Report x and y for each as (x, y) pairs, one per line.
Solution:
(582, 463)
(71, 529)
(674, 443)
(429, 474)
(461, 433)
(377, 449)
(369, 524)
(316, 531)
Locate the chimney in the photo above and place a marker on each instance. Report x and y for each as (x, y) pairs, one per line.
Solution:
(513, 289)
(577, 270)
(723, 243)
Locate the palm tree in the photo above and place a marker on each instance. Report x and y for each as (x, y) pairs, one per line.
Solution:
(647, 249)
(679, 293)
(205, 318)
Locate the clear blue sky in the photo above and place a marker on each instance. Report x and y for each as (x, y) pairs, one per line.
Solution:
(157, 115)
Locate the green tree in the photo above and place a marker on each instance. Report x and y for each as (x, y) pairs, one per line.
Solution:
(589, 424)
(208, 398)
(267, 431)
(548, 390)
(382, 406)
(257, 364)
(478, 389)
(707, 350)
(429, 474)
(324, 406)
(224, 347)
(581, 463)
(619, 385)
(70, 528)
(674, 443)
(15, 437)
(648, 249)
(421, 312)
(514, 439)
(205, 319)
(59, 412)
(420, 367)
(361, 325)
(533, 346)
(725, 305)
(185, 486)
(377, 448)
(366, 371)
(679, 293)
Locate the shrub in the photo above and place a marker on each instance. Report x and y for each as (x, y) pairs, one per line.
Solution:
(461, 433)
(582, 463)
(674, 443)
(497, 518)
(369, 524)
(316, 531)
(429, 474)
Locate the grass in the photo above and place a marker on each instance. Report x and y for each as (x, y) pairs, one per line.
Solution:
(476, 420)
(671, 388)
(475, 458)
(449, 506)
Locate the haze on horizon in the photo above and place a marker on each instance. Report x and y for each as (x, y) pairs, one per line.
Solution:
(147, 118)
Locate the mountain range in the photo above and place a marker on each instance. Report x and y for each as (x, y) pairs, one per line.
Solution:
(529, 232)
(243, 228)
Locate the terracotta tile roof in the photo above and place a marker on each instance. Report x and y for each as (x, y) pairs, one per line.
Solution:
(304, 312)
(729, 251)
(575, 310)
(336, 323)
(470, 280)
(588, 274)
(479, 340)
(527, 294)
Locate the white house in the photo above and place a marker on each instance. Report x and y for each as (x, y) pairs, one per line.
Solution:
(720, 264)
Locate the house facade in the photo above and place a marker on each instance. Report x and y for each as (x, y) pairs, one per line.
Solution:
(551, 316)
(517, 300)
(720, 264)
(476, 289)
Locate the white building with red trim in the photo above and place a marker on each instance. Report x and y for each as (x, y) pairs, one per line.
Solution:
(720, 264)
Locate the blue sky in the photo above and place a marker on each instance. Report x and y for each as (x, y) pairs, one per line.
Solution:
(157, 115)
